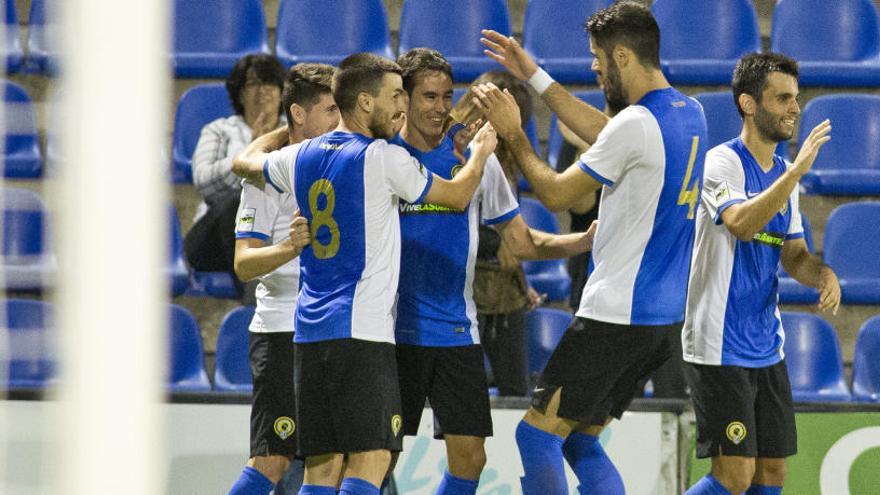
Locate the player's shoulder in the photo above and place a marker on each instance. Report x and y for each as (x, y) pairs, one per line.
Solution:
(631, 121)
(723, 156)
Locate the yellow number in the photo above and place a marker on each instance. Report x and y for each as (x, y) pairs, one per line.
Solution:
(689, 196)
(323, 217)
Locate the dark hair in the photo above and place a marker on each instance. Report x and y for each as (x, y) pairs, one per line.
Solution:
(360, 73)
(629, 24)
(752, 70)
(267, 68)
(420, 60)
(305, 84)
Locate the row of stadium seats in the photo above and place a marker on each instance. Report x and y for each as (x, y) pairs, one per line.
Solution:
(811, 348)
(36, 59)
(851, 247)
(837, 42)
(812, 354)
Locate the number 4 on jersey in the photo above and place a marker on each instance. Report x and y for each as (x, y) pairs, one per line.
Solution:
(689, 196)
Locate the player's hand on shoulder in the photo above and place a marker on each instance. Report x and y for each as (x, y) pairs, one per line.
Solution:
(300, 236)
(807, 155)
(829, 290)
(506, 51)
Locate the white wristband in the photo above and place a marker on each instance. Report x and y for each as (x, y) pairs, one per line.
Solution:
(540, 81)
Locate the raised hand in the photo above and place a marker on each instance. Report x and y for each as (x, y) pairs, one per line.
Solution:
(506, 51)
(500, 108)
(484, 141)
(807, 155)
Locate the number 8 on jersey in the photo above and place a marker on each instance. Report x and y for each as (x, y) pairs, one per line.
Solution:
(323, 217)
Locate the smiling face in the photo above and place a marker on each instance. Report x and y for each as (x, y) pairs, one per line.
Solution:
(778, 111)
(609, 78)
(388, 107)
(429, 105)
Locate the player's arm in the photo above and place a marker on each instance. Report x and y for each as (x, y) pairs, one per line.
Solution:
(253, 257)
(809, 270)
(745, 219)
(457, 193)
(249, 163)
(583, 119)
(556, 191)
(530, 244)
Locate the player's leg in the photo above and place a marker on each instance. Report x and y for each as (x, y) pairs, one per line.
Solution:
(459, 398)
(584, 453)
(322, 474)
(724, 404)
(769, 476)
(414, 369)
(777, 432)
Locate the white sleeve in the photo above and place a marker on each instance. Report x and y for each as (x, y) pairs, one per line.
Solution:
(498, 204)
(405, 176)
(621, 143)
(796, 225)
(278, 169)
(256, 213)
(724, 182)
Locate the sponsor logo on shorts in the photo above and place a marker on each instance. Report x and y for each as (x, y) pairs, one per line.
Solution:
(284, 427)
(396, 424)
(736, 432)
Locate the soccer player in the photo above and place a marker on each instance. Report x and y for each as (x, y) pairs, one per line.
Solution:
(270, 233)
(649, 161)
(439, 356)
(348, 184)
(732, 338)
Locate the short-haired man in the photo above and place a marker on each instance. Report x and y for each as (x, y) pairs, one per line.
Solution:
(439, 356)
(269, 235)
(649, 161)
(348, 184)
(747, 223)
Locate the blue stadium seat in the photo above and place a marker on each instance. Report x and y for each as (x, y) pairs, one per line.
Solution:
(211, 35)
(790, 290)
(702, 41)
(186, 358)
(21, 156)
(812, 355)
(835, 43)
(453, 28)
(553, 34)
(723, 120)
(852, 248)
(198, 106)
(306, 33)
(555, 140)
(545, 327)
(12, 49)
(849, 164)
(177, 272)
(32, 358)
(866, 364)
(28, 262)
(42, 56)
(545, 276)
(233, 372)
(212, 284)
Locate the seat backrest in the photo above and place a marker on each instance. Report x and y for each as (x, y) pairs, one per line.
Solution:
(842, 30)
(852, 240)
(219, 26)
(233, 367)
(555, 28)
(727, 30)
(21, 133)
(24, 225)
(545, 327)
(812, 352)
(306, 33)
(555, 140)
(538, 216)
(187, 358)
(451, 27)
(12, 49)
(32, 342)
(866, 364)
(854, 145)
(41, 32)
(197, 107)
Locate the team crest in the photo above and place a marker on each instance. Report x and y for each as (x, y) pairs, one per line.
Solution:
(246, 220)
(736, 432)
(396, 424)
(284, 427)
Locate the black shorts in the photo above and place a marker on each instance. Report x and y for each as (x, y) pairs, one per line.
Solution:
(272, 403)
(600, 367)
(347, 397)
(743, 411)
(453, 379)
